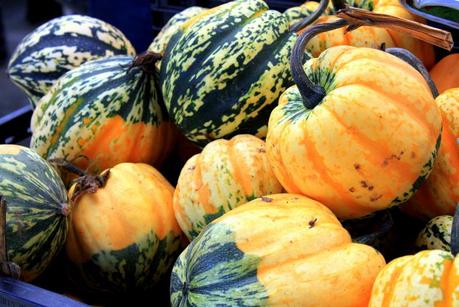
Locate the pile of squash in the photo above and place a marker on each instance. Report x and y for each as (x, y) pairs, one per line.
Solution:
(287, 137)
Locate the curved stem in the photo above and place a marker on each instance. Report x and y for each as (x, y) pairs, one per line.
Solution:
(311, 18)
(89, 184)
(411, 59)
(311, 93)
(455, 233)
(338, 4)
(146, 61)
(68, 166)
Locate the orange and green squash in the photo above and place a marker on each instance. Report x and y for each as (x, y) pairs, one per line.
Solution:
(359, 133)
(278, 250)
(440, 193)
(226, 174)
(123, 235)
(446, 73)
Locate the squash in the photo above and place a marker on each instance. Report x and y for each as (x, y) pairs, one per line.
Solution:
(359, 133)
(224, 70)
(37, 216)
(440, 193)
(251, 256)
(226, 174)
(364, 36)
(428, 278)
(123, 236)
(60, 45)
(436, 234)
(446, 72)
(100, 114)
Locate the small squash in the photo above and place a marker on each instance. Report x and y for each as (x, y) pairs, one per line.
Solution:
(359, 133)
(446, 73)
(251, 256)
(226, 174)
(123, 236)
(37, 215)
(440, 193)
(436, 234)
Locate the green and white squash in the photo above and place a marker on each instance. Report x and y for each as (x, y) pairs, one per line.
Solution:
(436, 234)
(37, 218)
(100, 114)
(59, 46)
(224, 70)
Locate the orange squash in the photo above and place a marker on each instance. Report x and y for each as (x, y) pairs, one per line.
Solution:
(364, 36)
(446, 73)
(226, 174)
(359, 133)
(278, 250)
(440, 193)
(123, 236)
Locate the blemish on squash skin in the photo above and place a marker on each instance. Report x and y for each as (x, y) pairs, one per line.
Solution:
(191, 168)
(266, 199)
(356, 166)
(352, 189)
(375, 198)
(312, 223)
(261, 150)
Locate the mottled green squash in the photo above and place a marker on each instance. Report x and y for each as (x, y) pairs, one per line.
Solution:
(436, 234)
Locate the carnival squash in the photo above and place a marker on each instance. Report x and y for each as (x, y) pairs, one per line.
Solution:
(226, 174)
(123, 236)
(436, 234)
(359, 133)
(278, 250)
(37, 215)
(440, 193)
(446, 73)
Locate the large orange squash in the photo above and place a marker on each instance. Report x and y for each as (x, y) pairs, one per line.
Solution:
(123, 236)
(446, 73)
(278, 250)
(440, 193)
(360, 131)
(227, 173)
(364, 36)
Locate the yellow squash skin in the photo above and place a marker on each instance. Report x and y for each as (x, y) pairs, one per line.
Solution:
(368, 144)
(227, 173)
(129, 223)
(440, 193)
(371, 37)
(297, 255)
(429, 278)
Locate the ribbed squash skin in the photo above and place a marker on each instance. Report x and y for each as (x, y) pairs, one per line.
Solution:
(445, 73)
(429, 278)
(161, 40)
(440, 193)
(124, 237)
(37, 209)
(371, 37)
(59, 46)
(106, 112)
(226, 174)
(251, 256)
(436, 234)
(368, 145)
(224, 70)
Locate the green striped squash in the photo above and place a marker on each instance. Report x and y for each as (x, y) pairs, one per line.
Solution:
(101, 114)
(37, 209)
(60, 45)
(224, 70)
(436, 234)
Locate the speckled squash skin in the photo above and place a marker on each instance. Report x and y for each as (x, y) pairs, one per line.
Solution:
(440, 193)
(445, 73)
(428, 278)
(436, 234)
(101, 114)
(251, 256)
(60, 45)
(224, 70)
(37, 217)
(371, 141)
(226, 174)
(371, 37)
(124, 237)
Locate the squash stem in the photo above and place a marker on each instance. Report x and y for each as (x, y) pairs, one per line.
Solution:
(146, 61)
(455, 233)
(411, 59)
(67, 166)
(311, 93)
(89, 184)
(311, 18)
(338, 4)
